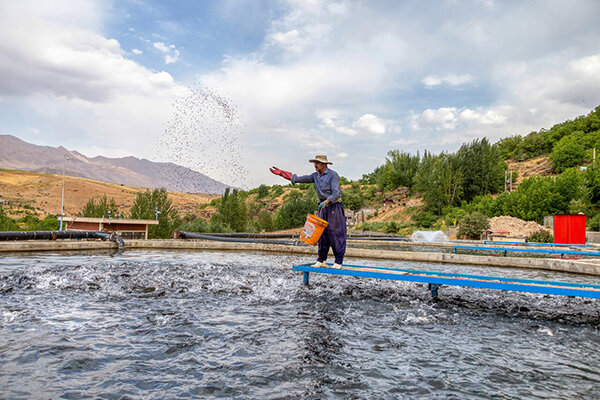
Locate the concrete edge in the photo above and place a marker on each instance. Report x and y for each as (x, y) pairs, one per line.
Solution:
(571, 266)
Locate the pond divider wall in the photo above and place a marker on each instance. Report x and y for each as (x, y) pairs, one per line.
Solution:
(554, 264)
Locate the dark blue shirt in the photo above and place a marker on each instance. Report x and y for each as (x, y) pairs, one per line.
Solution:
(327, 185)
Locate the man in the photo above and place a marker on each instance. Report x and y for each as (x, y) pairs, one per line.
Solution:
(327, 184)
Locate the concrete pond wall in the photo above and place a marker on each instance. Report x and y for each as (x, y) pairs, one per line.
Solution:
(587, 266)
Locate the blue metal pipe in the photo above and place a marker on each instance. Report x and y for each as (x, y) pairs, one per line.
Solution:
(524, 250)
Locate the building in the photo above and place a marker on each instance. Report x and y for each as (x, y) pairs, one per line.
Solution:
(126, 228)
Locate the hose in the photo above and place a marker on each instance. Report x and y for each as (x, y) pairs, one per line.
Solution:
(177, 234)
(54, 235)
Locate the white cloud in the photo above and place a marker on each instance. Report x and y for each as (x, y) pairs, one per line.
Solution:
(451, 80)
(326, 77)
(450, 118)
(441, 118)
(67, 61)
(287, 40)
(171, 53)
(76, 86)
(578, 82)
(341, 155)
(161, 46)
(369, 124)
(489, 117)
(331, 119)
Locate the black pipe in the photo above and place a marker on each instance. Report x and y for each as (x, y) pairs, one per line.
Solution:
(297, 235)
(117, 239)
(54, 235)
(254, 235)
(193, 235)
(379, 238)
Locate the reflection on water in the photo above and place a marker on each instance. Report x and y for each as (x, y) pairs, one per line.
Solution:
(208, 324)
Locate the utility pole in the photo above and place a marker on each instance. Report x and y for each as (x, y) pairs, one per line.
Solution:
(62, 200)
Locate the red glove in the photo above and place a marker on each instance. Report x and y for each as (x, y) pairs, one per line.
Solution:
(283, 174)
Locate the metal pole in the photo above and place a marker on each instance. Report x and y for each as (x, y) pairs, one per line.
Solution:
(62, 200)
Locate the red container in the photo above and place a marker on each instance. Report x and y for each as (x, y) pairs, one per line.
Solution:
(569, 229)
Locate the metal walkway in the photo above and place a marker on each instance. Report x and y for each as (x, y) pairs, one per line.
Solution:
(525, 250)
(436, 279)
(501, 243)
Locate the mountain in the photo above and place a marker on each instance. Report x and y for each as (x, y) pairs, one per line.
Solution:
(18, 154)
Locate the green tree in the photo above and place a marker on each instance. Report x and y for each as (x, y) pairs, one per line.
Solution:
(533, 145)
(535, 198)
(440, 181)
(568, 152)
(233, 211)
(145, 206)
(591, 177)
(399, 170)
(510, 147)
(343, 181)
(482, 168)
(264, 222)
(100, 209)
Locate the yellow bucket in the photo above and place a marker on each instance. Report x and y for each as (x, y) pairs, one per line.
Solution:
(313, 229)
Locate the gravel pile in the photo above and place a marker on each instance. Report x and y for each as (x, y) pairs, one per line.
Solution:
(516, 226)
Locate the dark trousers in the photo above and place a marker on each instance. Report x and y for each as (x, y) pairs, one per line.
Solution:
(334, 235)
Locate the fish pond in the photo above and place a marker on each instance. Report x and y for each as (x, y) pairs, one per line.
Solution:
(205, 324)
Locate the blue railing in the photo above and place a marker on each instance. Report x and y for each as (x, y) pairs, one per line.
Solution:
(537, 244)
(435, 279)
(524, 250)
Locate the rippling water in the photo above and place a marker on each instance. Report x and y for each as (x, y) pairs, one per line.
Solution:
(160, 325)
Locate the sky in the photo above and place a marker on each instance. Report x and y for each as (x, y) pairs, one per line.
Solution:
(232, 87)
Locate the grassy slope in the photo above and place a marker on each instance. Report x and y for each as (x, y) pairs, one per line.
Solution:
(43, 192)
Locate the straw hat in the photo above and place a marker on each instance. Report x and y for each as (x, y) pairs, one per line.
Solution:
(321, 159)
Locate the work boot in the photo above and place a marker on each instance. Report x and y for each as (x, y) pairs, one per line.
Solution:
(337, 266)
(319, 264)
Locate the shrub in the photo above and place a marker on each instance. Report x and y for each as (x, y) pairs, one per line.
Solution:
(277, 190)
(472, 225)
(391, 228)
(452, 215)
(353, 198)
(263, 190)
(195, 225)
(264, 221)
(593, 223)
(424, 219)
(7, 223)
(292, 213)
(541, 236)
